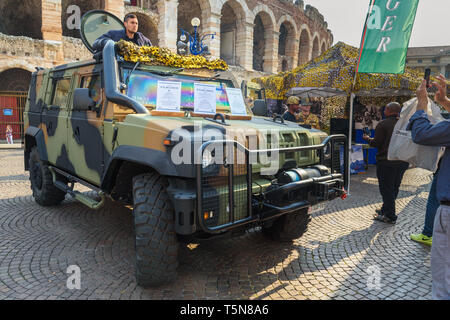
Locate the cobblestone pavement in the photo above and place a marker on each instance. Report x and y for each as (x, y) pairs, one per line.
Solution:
(336, 259)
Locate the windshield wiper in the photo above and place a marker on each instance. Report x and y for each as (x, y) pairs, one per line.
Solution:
(166, 73)
(210, 79)
(124, 85)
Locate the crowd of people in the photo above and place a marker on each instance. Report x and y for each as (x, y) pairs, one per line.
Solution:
(299, 110)
(436, 231)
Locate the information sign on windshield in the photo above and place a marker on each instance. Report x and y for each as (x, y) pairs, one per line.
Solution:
(236, 100)
(168, 96)
(205, 98)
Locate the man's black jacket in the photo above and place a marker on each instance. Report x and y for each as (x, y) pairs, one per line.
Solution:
(117, 35)
(382, 139)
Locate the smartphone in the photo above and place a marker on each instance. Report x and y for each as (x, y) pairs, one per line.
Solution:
(427, 77)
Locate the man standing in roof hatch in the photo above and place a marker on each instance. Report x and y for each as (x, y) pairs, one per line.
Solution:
(130, 33)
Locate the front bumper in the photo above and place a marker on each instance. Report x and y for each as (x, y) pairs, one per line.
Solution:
(225, 198)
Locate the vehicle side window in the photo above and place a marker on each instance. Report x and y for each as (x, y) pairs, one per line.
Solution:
(61, 93)
(94, 84)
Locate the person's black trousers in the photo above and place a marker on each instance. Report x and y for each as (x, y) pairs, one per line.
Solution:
(390, 175)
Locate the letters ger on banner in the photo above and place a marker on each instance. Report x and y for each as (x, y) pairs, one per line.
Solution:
(386, 36)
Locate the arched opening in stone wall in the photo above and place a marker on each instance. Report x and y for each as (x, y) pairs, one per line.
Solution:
(71, 13)
(147, 27)
(286, 43)
(284, 65)
(21, 18)
(282, 40)
(262, 46)
(228, 35)
(303, 53)
(232, 33)
(316, 48)
(259, 44)
(187, 10)
(324, 48)
(15, 79)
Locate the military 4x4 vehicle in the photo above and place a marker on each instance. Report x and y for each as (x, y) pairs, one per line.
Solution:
(94, 123)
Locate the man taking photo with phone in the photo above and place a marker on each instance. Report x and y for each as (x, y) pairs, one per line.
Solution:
(424, 133)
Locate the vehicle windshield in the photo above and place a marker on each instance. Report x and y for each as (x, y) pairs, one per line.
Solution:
(143, 87)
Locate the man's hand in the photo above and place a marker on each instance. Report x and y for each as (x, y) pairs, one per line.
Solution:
(422, 96)
(441, 95)
(366, 137)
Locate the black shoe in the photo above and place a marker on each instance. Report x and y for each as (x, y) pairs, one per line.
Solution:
(389, 220)
(383, 218)
(379, 211)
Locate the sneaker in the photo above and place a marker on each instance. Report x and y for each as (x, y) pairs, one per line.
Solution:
(421, 238)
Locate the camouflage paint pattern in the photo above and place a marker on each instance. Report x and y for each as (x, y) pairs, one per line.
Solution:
(81, 142)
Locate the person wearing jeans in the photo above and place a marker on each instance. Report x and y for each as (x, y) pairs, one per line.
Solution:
(426, 237)
(424, 133)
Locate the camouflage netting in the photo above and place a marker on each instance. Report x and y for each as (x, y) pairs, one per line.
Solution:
(336, 69)
(164, 57)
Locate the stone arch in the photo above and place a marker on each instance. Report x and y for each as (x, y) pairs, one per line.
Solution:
(268, 14)
(315, 47)
(264, 42)
(232, 31)
(289, 20)
(304, 46)
(17, 65)
(69, 16)
(147, 26)
(238, 6)
(21, 18)
(15, 79)
(188, 9)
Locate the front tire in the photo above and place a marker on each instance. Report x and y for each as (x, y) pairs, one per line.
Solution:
(154, 223)
(289, 227)
(44, 191)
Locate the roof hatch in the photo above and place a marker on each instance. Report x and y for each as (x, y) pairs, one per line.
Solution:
(96, 23)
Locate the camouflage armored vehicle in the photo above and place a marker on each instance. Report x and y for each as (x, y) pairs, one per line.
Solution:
(188, 176)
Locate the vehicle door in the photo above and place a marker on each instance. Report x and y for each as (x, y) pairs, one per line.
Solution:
(86, 132)
(54, 120)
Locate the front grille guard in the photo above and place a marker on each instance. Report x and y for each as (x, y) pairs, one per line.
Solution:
(334, 142)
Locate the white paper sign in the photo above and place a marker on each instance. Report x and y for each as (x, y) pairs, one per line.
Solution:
(205, 98)
(236, 101)
(168, 96)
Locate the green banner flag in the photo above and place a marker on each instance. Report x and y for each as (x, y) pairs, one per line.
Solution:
(386, 36)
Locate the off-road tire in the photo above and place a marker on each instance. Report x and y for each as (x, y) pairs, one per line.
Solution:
(288, 227)
(154, 226)
(44, 191)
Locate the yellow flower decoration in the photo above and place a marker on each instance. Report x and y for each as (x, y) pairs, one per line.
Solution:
(164, 57)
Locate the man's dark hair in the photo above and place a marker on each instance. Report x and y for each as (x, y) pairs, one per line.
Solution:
(394, 107)
(129, 16)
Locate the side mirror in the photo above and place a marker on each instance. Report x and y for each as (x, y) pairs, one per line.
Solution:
(260, 108)
(82, 100)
